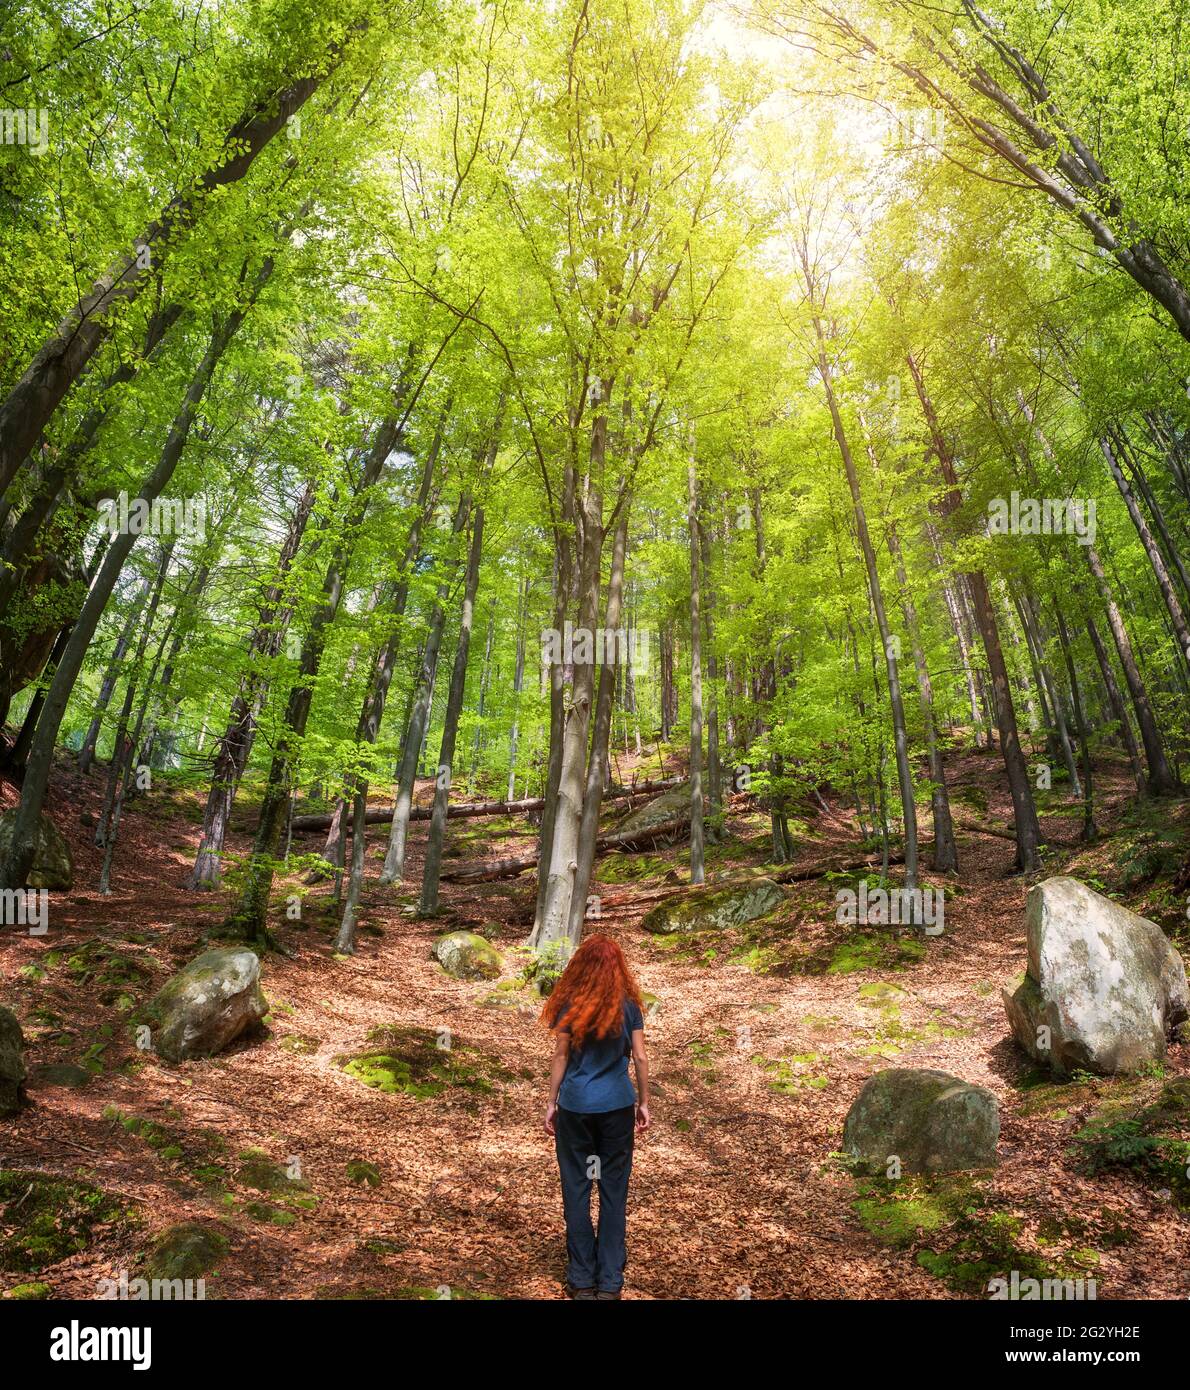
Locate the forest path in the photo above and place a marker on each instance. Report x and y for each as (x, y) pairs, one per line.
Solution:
(734, 1194)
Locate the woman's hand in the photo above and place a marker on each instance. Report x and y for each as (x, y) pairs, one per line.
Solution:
(642, 1116)
(551, 1110)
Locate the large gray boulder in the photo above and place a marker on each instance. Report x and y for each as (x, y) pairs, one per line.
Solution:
(930, 1121)
(53, 866)
(12, 1063)
(467, 956)
(707, 909)
(1104, 988)
(207, 1005)
(670, 805)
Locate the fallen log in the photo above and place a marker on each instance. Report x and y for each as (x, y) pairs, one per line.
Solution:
(509, 868)
(378, 815)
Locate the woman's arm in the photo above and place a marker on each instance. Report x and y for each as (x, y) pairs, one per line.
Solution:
(640, 1060)
(557, 1072)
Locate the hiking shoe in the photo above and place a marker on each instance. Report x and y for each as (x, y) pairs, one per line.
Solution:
(608, 1293)
(572, 1292)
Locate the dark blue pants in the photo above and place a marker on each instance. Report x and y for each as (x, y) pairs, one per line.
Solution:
(595, 1147)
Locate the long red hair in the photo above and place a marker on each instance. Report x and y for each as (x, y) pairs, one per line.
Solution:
(592, 992)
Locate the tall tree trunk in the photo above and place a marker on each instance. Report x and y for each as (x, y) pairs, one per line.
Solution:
(1118, 708)
(1028, 831)
(1161, 779)
(454, 707)
(518, 682)
(119, 751)
(231, 756)
(554, 923)
(86, 754)
(597, 758)
(1089, 832)
(250, 916)
(714, 766)
(900, 734)
(697, 842)
(419, 718)
(372, 713)
(1177, 616)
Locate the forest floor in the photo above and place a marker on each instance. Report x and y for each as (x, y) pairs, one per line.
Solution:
(762, 1037)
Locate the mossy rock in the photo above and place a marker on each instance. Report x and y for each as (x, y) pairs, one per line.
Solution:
(714, 909)
(467, 956)
(186, 1251)
(28, 1293)
(68, 1074)
(259, 1172)
(929, 1121)
(207, 1005)
(630, 868)
(880, 994)
(44, 1219)
(670, 805)
(53, 865)
(410, 1061)
(362, 1173)
(270, 1215)
(12, 1063)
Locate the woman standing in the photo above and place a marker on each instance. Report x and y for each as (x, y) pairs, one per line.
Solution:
(595, 1014)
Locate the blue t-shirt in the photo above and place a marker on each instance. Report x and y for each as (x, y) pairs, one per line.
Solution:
(596, 1078)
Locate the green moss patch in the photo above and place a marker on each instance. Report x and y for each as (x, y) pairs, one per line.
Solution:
(1148, 1139)
(630, 868)
(956, 1235)
(362, 1173)
(114, 976)
(410, 1061)
(200, 1151)
(875, 951)
(789, 1075)
(28, 1293)
(185, 1251)
(45, 1219)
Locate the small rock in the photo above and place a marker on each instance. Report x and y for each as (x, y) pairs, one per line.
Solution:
(207, 1005)
(12, 1063)
(467, 956)
(931, 1121)
(59, 1074)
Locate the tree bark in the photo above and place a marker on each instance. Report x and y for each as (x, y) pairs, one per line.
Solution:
(454, 707)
